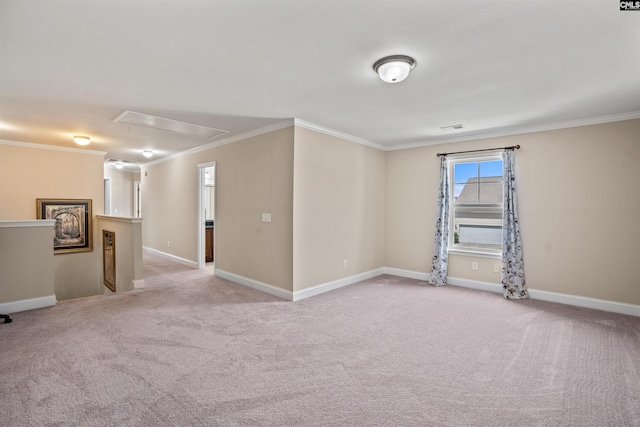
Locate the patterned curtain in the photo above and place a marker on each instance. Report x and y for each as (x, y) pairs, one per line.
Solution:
(440, 257)
(513, 284)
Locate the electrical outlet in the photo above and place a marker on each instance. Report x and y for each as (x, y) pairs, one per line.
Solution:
(474, 265)
(345, 263)
(168, 243)
(496, 268)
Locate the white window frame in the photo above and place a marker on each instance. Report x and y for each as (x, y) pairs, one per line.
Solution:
(468, 158)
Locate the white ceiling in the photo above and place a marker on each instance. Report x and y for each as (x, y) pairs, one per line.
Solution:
(71, 67)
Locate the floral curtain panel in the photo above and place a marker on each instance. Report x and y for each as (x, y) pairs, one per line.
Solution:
(512, 277)
(440, 247)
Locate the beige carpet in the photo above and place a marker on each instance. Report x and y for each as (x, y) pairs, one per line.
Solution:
(191, 349)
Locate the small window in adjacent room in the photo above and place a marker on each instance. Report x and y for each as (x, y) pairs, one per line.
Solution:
(476, 206)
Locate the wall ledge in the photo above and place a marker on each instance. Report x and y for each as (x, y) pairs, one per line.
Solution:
(27, 304)
(127, 219)
(22, 223)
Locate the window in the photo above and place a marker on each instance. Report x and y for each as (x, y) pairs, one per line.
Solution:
(476, 206)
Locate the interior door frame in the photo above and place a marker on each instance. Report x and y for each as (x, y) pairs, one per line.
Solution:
(107, 196)
(201, 218)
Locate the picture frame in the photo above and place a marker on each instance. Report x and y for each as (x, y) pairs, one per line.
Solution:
(72, 229)
(109, 259)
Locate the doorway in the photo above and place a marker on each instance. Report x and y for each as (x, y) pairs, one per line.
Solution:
(107, 196)
(206, 250)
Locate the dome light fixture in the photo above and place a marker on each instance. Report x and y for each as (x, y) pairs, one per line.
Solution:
(147, 153)
(81, 140)
(119, 165)
(394, 68)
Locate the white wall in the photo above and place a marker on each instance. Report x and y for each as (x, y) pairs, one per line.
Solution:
(122, 194)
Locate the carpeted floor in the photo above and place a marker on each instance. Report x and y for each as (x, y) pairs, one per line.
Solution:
(191, 349)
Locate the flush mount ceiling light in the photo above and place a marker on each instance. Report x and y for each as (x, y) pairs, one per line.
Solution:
(147, 153)
(119, 163)
(394, 68)
(81, 140)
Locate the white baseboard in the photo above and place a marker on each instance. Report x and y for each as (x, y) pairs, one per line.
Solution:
(475, 284)
(137, 284)
(330, 286)
(171, 257)
(27, 304)
(579, 301)
(575, 300)
(299, 295)
(407, 273)
(255, 284)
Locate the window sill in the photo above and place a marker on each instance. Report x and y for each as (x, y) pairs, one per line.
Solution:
(475, 253)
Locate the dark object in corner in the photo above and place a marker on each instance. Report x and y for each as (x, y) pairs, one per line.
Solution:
(6, 318)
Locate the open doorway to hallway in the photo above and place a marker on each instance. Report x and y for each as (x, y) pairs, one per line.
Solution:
(206, 215)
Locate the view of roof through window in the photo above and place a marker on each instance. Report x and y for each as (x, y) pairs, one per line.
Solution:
(477, 205)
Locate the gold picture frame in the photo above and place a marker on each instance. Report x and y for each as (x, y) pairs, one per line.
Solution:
(72, 229)
(109, 259)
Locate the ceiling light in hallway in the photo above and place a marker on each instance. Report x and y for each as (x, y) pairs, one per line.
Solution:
(81, 140)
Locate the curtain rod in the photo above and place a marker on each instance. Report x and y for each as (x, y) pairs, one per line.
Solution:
(513, 147)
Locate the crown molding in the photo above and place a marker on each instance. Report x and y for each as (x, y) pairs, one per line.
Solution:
(522, 130)
(338, 134)
(246, 135)
(51, 147)
(436, 141)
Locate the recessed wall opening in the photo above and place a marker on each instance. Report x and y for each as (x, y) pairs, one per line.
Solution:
(206, 216)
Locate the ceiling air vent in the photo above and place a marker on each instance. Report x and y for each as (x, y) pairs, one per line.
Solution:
(154, 122)
(452, 127)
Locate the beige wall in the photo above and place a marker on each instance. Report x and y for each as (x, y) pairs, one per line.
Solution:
(121, 190)
(579, 210)
(128, 239)
(253, 176)
(28, 173)
(339, 198)
(332, 200)
(22, 247)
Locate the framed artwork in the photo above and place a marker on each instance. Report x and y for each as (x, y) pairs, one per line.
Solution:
(72, 229)
(109, 259)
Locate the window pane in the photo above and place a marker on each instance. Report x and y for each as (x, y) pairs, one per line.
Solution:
(457, 189)
(463, 171)
(469, 193)
(491, 169)
(489, 235)
(490, 192)
(477, 209)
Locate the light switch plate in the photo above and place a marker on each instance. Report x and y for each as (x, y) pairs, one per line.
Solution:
(266, 217)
